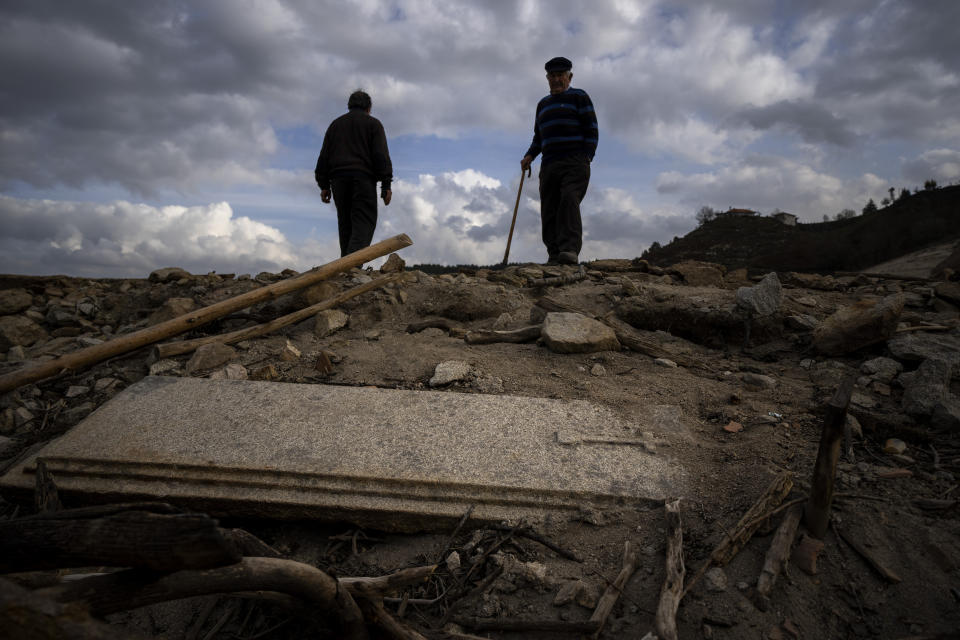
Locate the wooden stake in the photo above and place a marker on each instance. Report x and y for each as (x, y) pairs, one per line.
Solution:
(631, 560)
(816, 516)
(671, 592)
(777, 555)
(123, 344)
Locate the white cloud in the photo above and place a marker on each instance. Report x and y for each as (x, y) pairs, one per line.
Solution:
(123, 239)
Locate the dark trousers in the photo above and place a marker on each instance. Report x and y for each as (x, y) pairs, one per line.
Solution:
(356, 200)
(563, 183)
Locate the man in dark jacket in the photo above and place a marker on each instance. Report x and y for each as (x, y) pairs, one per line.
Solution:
(354, 157)
(566, 132)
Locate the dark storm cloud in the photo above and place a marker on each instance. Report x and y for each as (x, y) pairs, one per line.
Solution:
(812, 122)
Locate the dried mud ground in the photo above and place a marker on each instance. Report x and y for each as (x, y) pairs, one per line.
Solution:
(775, 389)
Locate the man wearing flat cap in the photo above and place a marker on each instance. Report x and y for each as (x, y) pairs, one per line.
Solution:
(565, 131)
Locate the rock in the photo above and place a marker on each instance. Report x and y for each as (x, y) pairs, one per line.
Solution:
(449, 371)
(598, 370)
(170, 274)
(163, 366)
(106, 385)
(172, 308)
(289, 353)
(859, 325)
(233, 371)
(210, 356)
(16, 354)
(76, 390)
(854, 425)
(394, 264)
(530, 273)
(895, 446)
(699, 274)
(575, 333)
(916, 346)
(19, 331)
(812, 281)
(924, 388)
(452, 560)
(715, 580)
(487, 384)
(583, 593)
(329, 321)
(881, 369)
(802, 322)
(757, 381)
(268, 372)
(733, 427)
(318, 293)
(665, 362)
(762, 299)
(14, 301)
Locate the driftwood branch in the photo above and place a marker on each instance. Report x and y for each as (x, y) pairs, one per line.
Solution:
(161, 542)
(631, 559)
(391, 583)
(816, 515)
(757, 514)
(777, 555)
(130, 589)
(665, 621)
(123, 344)
(487, 336)
(186, 346)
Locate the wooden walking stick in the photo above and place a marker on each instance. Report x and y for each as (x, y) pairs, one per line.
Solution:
(506, 254)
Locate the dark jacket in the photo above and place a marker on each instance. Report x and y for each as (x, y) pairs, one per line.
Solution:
(355, 144)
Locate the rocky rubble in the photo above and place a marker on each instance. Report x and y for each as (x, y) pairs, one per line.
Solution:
(762, 352)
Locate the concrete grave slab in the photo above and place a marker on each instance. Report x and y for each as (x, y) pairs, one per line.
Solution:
(394, 459)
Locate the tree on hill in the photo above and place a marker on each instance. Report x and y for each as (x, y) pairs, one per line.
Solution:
(929, 185)
(706, 214)
(843, 215)
(904, 193)
(870, 207)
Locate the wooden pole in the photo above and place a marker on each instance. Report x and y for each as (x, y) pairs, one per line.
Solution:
(631, 559)
(186, 346)
(516, 206)
(816, 515)
(665, 621)
(194, 319)
(777, 555)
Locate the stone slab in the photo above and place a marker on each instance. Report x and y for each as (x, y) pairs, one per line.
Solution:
(395, 459)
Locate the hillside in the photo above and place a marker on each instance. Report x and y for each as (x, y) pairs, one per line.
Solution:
(762, 243)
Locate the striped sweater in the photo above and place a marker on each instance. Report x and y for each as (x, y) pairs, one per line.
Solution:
(565, 125)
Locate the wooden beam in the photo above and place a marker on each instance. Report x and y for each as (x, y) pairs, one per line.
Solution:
(123, 344)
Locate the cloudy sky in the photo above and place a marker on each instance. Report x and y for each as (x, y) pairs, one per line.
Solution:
(137, 134)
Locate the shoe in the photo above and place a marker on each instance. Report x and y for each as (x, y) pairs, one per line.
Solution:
(567, 257)
(551, 261)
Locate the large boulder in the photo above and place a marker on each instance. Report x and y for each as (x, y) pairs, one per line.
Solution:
(709, 317)
(169, 274)
(575, 333)
(328, 321)
(859, 325)
(19, 331)
(762, 299)
(14, 301)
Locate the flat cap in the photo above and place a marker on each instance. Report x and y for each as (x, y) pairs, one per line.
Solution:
(558, 64)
